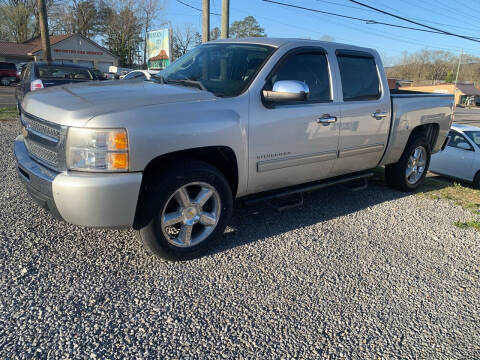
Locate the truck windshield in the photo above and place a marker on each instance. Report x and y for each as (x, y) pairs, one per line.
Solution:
(224, 69)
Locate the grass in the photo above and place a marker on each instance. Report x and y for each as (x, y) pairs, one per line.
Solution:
(469, 224)
(436, 187)
(8, 113)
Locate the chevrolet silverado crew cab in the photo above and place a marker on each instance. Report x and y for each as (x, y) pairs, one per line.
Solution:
(230, 119)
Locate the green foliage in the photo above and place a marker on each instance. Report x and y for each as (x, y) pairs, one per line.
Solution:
(248, 27)
(8, 113)
(449, 78)
(474, 224)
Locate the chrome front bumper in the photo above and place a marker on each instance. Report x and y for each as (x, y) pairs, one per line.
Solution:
(87, 199)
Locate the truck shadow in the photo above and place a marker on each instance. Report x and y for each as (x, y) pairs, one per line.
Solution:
(258, 222)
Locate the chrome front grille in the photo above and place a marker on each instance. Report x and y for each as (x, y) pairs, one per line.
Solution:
(42, 153)
(42, 128)
(45, 141)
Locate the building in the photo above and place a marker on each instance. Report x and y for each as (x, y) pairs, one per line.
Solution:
(69, 48)
(465, 94)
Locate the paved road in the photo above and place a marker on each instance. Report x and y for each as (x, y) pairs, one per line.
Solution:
(7, 96)
(372, 274)
(468, 116)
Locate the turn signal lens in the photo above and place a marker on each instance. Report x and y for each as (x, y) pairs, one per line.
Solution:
(118, 140)
(118, 161)
(97, 149)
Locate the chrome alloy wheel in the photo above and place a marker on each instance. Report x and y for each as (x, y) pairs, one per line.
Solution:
(416, 165)
(191, 214)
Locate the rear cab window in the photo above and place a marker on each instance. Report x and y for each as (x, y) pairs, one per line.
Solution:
(63, 72)
(7, 66)
(359, 76)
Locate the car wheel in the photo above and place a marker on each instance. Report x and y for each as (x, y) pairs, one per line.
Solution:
(4, 81)
(476, 181)
(410, 171)
(186, 212)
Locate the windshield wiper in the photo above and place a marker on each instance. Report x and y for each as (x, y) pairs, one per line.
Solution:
(187, 82)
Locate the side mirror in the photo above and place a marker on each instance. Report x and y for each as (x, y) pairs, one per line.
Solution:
(464, 146)
(286, 91)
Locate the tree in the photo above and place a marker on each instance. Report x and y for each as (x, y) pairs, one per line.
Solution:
(75, 17)
(248, 27)
(183, 39)
(449, 78)
(215, 33)
(149, 12)
(327, 38)
(19, 19)
(122, 28)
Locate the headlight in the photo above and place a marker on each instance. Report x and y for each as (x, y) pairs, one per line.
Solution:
(97, 149)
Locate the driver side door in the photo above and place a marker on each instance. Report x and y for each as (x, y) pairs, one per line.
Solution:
(290, 143)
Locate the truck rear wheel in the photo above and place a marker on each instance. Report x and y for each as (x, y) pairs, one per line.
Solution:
(187, 211)
(410, 171)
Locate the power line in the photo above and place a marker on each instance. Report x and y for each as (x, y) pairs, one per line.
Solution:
(367, 21)
(392, 37)
(398, 11)
(413, 22)
(195, 8)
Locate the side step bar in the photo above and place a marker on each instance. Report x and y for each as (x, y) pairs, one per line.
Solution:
(280, 194)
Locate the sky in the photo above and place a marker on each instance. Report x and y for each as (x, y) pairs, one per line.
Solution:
(456, 16)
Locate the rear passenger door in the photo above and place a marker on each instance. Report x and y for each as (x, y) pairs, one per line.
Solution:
(365, 112)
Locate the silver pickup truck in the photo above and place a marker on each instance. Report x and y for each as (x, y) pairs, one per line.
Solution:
(251, 118)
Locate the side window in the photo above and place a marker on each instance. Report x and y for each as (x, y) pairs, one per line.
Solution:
(308, 67)
(457, 138)
(359, 77)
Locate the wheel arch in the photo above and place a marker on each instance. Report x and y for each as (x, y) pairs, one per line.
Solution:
(222, 158)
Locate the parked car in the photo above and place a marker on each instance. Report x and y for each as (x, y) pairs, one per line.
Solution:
(98, 74)
(460, 159)
(266, 118)
(39, 75)
(140, 75)
(8, 73)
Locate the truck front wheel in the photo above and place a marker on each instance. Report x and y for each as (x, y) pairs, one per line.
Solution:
(187, 211)
(410, 171)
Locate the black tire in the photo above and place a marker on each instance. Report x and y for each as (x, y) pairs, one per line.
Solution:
(476, 181)
(160, 197)
(395, 174)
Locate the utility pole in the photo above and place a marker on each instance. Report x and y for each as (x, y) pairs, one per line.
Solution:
(43, 22)
(225, 18)
(206, 21)
(456, 80)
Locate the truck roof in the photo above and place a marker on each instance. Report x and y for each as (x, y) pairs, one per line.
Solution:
(278, 42)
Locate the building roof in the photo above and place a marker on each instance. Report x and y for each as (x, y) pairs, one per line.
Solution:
(36, 43)
(14, 49)
(468, 89)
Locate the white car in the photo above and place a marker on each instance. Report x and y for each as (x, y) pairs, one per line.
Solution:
(461, 157)
(145, 75)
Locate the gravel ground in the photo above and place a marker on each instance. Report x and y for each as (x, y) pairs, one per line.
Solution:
(372, 274)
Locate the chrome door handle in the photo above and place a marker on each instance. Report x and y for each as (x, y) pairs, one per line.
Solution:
(379, 115)
(326, 119)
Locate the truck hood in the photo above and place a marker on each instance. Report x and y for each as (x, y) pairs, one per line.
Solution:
(75, 104)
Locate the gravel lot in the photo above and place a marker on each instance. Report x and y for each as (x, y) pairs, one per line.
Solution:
(372, 274)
